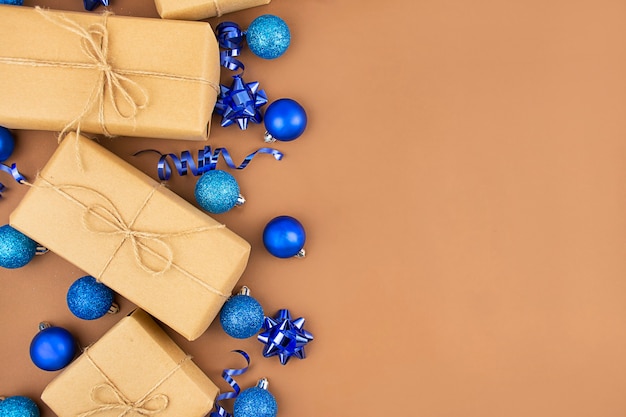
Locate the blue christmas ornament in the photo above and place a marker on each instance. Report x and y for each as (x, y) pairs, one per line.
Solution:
(284, 237)
(241, 316)
(217, 192)
(284, 337)
(53, 348)
(15, 3)
(89, 299)
(7, 144)
(18, 406)
(240, 103)
(256, 402)
(268, 36)
(92, 4)
(16, 249)
(285, 120)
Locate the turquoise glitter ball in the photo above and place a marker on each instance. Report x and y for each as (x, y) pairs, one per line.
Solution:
(268, 36)
(16, 249)
(18, 406)
(217, 191)
(255, 402)
(89, 299)
(241, 317)
(15, 3)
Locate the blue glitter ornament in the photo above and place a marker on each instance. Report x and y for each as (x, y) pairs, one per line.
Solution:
(256, 402)
(284, 337)
(268, 36)
(7, 144)
(14, 3)
(284, 237)
(18, 406)
(89, 299)
(16, 249)
(241, 316)
(92, 4)
(53, 348)
(285, 120)
(217, 192)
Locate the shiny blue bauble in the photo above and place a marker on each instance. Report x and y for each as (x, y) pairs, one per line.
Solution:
(268, 36)
(7, 144)
(53, 348)
(89, 299)
(18, 406)
(241, 316)
(217, 191)
(285, 119)
(255, 402)
(284, 236)
(15, 3)
(16, 249)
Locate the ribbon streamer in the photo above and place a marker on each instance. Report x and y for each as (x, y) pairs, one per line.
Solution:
(207, 161)
(230, 37)
(12, 170)
(227, 375)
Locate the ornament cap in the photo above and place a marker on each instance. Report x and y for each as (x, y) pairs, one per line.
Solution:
(268, 138)
(244, 291)
(113, 309)
(263, 384)
(44, 325)
(40, 250)
(301, 254)
(240, 200)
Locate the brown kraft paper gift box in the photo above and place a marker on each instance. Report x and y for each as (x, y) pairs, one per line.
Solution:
(115, 75)
(133, 234)
(134, 369)
(202, 9)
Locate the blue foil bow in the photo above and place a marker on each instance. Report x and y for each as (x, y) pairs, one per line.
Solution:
(12, 170)
(240, 103)
(230, 37)
(284, 337)
(207, 161)
(228, 374)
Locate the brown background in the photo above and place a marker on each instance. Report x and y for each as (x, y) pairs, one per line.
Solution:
(463, 186)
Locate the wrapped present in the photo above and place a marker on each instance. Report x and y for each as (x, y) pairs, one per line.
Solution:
(133, 234)
(107, 74)
(201, 9)
(134, 369)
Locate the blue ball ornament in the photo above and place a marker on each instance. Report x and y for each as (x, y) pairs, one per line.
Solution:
(268, 36)
(284, 237)
(285, 120)
(255, 402)
(14, 3)
(16, 249)
(242, 315)
(217, 191)
(18, 406)
(53, 348)
(89, 299)
(7, 144)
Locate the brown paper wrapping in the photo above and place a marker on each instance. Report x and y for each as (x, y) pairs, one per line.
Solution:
(178, 62)
(135, 364)
(122, 227)
(202, 9)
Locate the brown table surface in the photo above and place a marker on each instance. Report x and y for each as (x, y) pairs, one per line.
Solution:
(462, 182)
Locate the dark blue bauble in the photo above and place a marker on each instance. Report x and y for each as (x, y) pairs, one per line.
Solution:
(284, 236)
(18, 406)
(15, 3)
(89, 299)
(268, 36)
(241, 316)
(7, 144)
(217, 191)
(53, 348)
(255, 402)
(16, 249)
(285, 119)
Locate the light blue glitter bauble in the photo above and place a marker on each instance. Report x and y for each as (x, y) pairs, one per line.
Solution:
(89, 299)
(268, 36)
(18, 406)
(15, 3)
(16, 249)
(241, 317)
(255, 402)
(217, 191)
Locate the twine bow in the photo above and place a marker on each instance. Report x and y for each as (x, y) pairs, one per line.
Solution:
(110, 398)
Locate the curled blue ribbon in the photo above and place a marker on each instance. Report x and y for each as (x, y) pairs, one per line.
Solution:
(207, 161)
(12, 170)
(230, 37)
(228, 374)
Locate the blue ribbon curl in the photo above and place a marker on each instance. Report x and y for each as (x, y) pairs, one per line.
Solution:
(12, 170)
(230, 37)
(227, 375)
